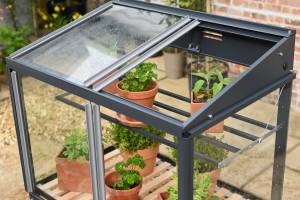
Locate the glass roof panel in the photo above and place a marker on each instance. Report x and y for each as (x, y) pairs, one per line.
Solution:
(94, 45)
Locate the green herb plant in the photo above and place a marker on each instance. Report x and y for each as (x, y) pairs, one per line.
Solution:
(139, 79)
(198, 5)
(10, 41)
(201, 188)
(128, 140)
(129, 177)
(208, 149)
(203, 89)
(76, 146)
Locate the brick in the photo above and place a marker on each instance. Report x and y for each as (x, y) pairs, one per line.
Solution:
(272, 7)
(290, 2)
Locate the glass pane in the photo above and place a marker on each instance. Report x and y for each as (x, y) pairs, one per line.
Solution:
(54, 130)
(94, 45)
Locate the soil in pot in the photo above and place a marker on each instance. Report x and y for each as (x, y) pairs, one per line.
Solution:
(174, 64)
(149, 156)
(131, 194)
(195, 106)
(73, 175)
(145, 98)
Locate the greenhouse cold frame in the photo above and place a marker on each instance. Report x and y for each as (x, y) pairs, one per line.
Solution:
(69, 59)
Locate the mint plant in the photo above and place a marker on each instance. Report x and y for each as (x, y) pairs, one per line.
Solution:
(129, 177)
(76, 145)
(140, 79)
(128, 140)
(203, 90)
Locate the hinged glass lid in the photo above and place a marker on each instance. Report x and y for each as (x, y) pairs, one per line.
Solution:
(96, 44)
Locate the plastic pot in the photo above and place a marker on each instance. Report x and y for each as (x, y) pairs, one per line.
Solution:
(174, 64)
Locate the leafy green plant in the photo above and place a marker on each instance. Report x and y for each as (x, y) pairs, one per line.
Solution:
(203, 89)
(208, 149)
(129, 177)
(140, 79)
(201, 188)
(10, 41)
(198, 5)
(128, 140)
(76, 145)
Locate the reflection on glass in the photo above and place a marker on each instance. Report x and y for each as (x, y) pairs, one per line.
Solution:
(94, 45)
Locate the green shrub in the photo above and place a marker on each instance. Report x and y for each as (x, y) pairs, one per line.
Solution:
(201, 188)
(76, 145)
(129, 178)
(208, 149)
(128, 140)
(10, 41)
(140, 79)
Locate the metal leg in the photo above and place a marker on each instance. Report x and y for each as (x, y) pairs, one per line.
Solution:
(96, 151)
(281, 142)
(23, 140)
(185, 168)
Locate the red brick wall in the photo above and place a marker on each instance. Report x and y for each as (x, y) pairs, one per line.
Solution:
(277, 12)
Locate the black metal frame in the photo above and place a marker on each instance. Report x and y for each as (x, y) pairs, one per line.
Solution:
(270, 51)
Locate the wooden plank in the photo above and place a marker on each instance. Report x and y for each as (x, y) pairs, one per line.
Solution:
(49, 185)
(157, 171)
(164, 188)
(69, 196)
(156, 182)
(56, 192)
(112, 154)
(84, 196)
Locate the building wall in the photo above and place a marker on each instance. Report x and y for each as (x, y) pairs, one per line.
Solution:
(284, 13)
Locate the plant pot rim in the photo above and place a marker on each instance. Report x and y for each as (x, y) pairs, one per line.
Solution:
(138, 95)
(225, 65)
(193, 102)
(131, 189)
(147, 148)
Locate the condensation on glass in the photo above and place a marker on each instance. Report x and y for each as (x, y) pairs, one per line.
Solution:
(94, 45)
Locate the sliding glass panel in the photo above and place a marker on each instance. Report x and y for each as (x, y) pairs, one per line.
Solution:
(91, 47)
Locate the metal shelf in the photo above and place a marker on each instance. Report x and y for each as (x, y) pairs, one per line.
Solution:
(235, 151)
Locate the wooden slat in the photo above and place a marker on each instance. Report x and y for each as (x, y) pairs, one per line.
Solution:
(84, 196)
(69, 195)
(156, 182)
(157, 171)
(56, 192)
(112, 154)
(49, 185)
(153, 195)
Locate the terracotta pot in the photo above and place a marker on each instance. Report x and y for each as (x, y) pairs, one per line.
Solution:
(218, 128)
(131, 194)
(73, 175)
(112, 88)
(145, 98)
(149, 156)
(162, 196)
(214, 175)
(174, 64)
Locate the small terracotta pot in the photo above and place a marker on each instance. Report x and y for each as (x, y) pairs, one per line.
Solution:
(111, 88)
(145, 98)
(214, 175)
(149, 156)
(73, 175)
(218, 128)
(131, 194)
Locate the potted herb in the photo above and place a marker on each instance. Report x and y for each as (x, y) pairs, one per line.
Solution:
(125, 183)
(139, 86)
(174, 62)
(201, 189)
(131, 143)
(210, 84)
(203, 167)
(72, 164)
(204, 64)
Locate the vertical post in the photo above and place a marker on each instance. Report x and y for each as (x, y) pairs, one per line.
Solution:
(185, 168)
(281, 142)
(96, 150)
(23, 140)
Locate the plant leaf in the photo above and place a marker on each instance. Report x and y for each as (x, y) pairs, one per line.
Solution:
(198, 85)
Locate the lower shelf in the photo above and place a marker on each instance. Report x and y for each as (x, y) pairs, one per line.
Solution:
(153, 184)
